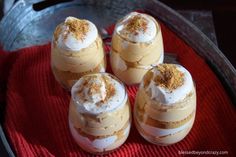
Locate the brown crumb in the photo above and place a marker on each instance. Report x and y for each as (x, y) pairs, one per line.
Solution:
(110, 89)
(94, 88)
(170, 78)
(147, 78)
(78, 27)
(57, 32)
(136, 24)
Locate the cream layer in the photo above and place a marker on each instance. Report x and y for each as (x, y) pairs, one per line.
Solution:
(101, 125)
(67, 79)
(164, 140)
(87, 58)
(166, 113)
(142, 53)
(130, 74)
(101, 144)
(158, 132)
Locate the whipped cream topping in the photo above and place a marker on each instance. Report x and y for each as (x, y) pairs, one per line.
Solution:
(166, 96)
(139, 35)
(67, 39)
(98, 93)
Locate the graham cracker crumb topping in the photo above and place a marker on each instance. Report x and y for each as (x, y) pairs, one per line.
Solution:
(110, 89)
(78, 27)
(170, 78)
(136, 24)
(147, 78)
(95, 88)
(57, 32)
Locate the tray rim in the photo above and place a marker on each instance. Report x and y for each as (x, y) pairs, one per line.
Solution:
(228, 77)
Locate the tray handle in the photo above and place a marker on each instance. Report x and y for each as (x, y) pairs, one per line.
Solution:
(8, 4)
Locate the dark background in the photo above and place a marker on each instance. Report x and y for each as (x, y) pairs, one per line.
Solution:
(224, 17)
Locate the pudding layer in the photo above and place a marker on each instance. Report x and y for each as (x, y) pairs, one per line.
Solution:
(164, 136)
(102, 124)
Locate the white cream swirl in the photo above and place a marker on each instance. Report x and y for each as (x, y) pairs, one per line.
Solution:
(139, 35)
(166, 96)
(92, 100)
(68, 41)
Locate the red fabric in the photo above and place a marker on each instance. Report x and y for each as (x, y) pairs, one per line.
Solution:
(36, 118)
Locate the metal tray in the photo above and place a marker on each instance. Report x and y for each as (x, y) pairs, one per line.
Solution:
(28, 23)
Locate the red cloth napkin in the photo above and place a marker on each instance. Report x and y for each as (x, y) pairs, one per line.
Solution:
(36, 117)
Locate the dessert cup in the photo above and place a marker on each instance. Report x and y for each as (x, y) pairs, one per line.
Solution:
(76, 50)
(99, 113)
(165, 104)
(137, 46)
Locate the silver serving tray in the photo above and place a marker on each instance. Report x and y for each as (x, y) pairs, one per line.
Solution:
(27, 24)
